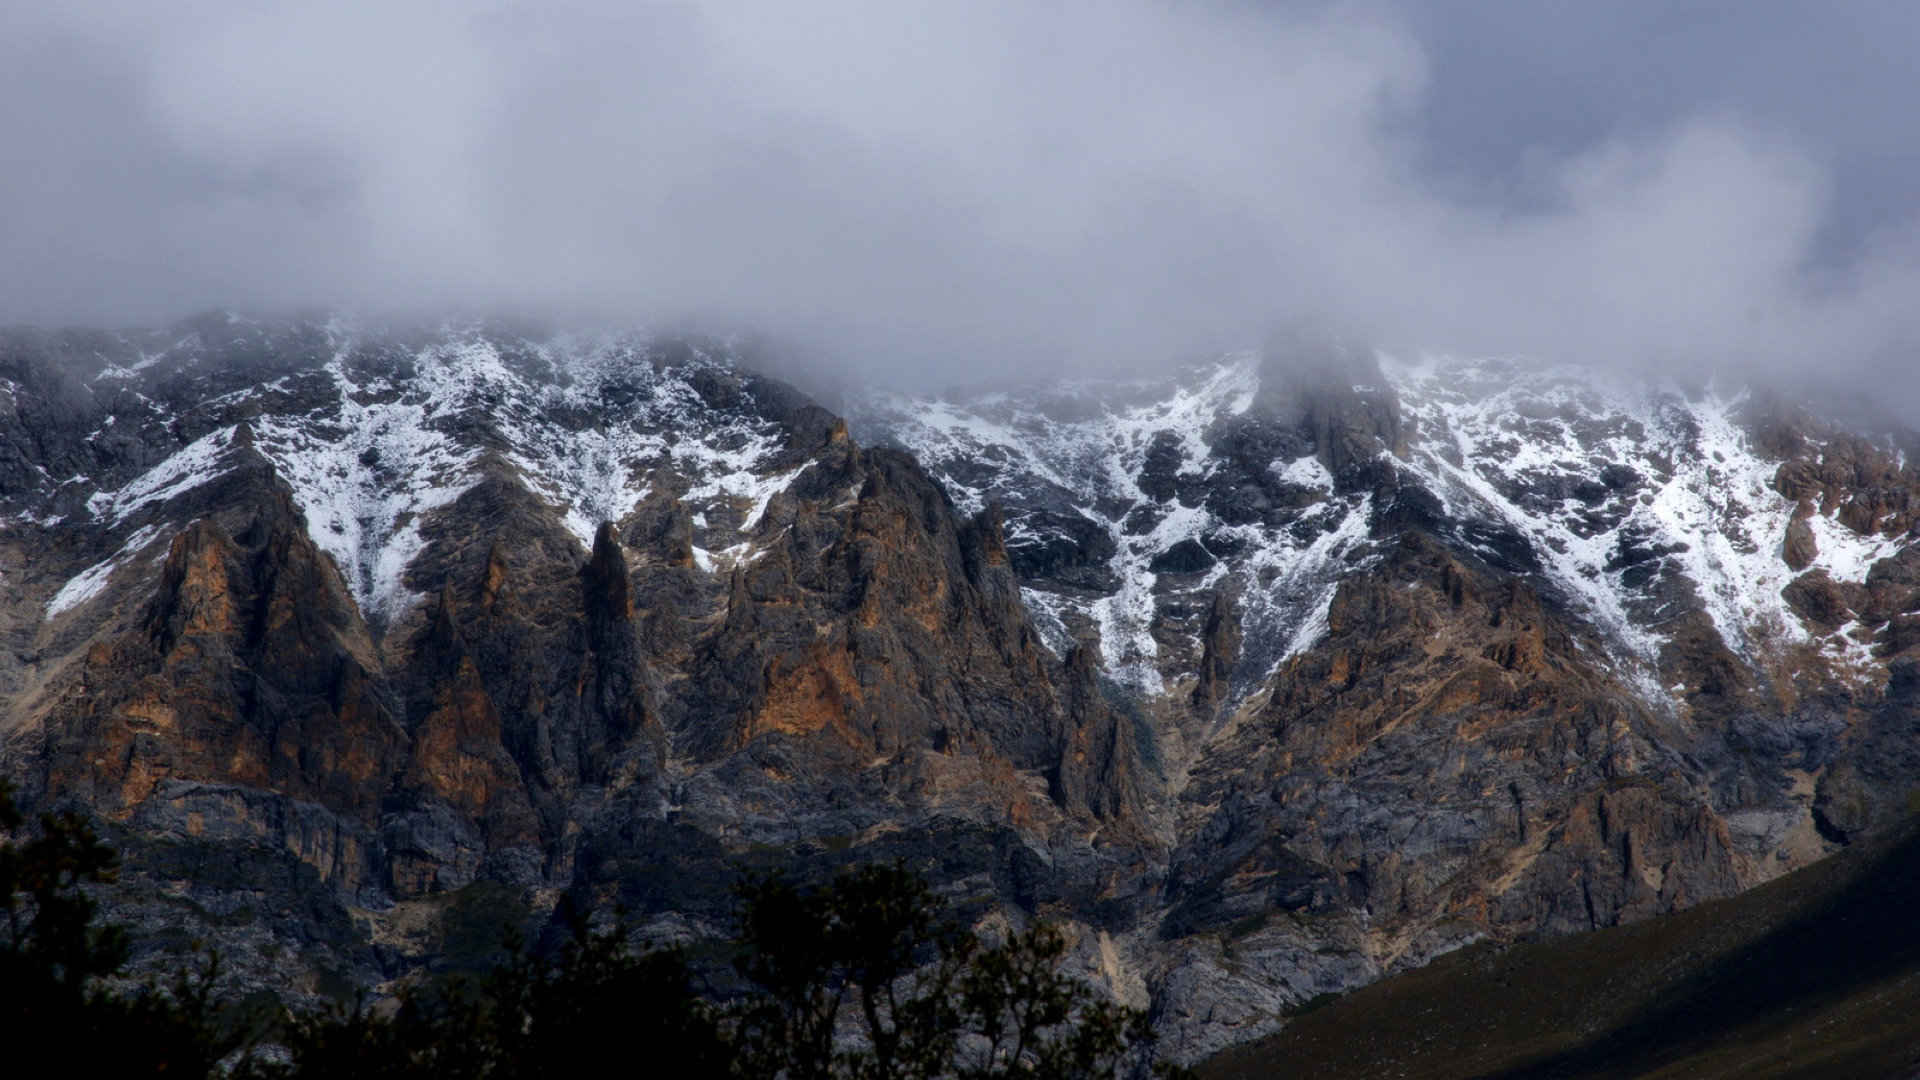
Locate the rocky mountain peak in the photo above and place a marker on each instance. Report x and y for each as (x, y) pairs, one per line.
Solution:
(1266, 677)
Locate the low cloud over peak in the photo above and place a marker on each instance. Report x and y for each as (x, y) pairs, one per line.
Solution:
(941, 190)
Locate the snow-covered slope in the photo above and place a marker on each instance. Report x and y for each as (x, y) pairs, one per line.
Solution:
(375, 436)
(1128, 506)
(1629, 504)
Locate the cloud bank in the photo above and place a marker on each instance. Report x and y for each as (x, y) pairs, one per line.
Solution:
(950, 190)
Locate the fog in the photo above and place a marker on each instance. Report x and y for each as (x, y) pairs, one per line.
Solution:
(935, 192)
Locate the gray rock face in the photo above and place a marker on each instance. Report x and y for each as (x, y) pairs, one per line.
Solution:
(1265, 680)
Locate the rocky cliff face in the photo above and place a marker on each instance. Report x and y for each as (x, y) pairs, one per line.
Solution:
(335, 629)
(1268, 679)
(1446, 651)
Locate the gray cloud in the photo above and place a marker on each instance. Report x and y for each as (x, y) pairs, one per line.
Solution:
(964, 189)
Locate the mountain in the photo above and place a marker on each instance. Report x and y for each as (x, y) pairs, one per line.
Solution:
(1267, 679)
(1444, 652)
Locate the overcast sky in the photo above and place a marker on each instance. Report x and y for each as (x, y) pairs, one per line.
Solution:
(987, 186)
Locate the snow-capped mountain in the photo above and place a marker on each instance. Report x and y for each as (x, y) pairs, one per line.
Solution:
(1266, 678)
(374, 436)
(1627, 503)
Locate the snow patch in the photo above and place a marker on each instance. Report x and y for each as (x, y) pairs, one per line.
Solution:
(366, 472)
(1495, 436)
(188, 468)
(89, 583)
(1316, 574)
(1844, 554)
(1306, 472)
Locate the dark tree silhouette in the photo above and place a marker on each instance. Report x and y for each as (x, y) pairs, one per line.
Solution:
(54, 1010)
(50, 937)
(569, 1015)
(927, 998)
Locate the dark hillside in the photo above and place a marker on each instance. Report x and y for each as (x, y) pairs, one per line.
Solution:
(1816, 974)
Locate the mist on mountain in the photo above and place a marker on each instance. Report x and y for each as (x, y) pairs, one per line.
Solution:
(929, 192)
